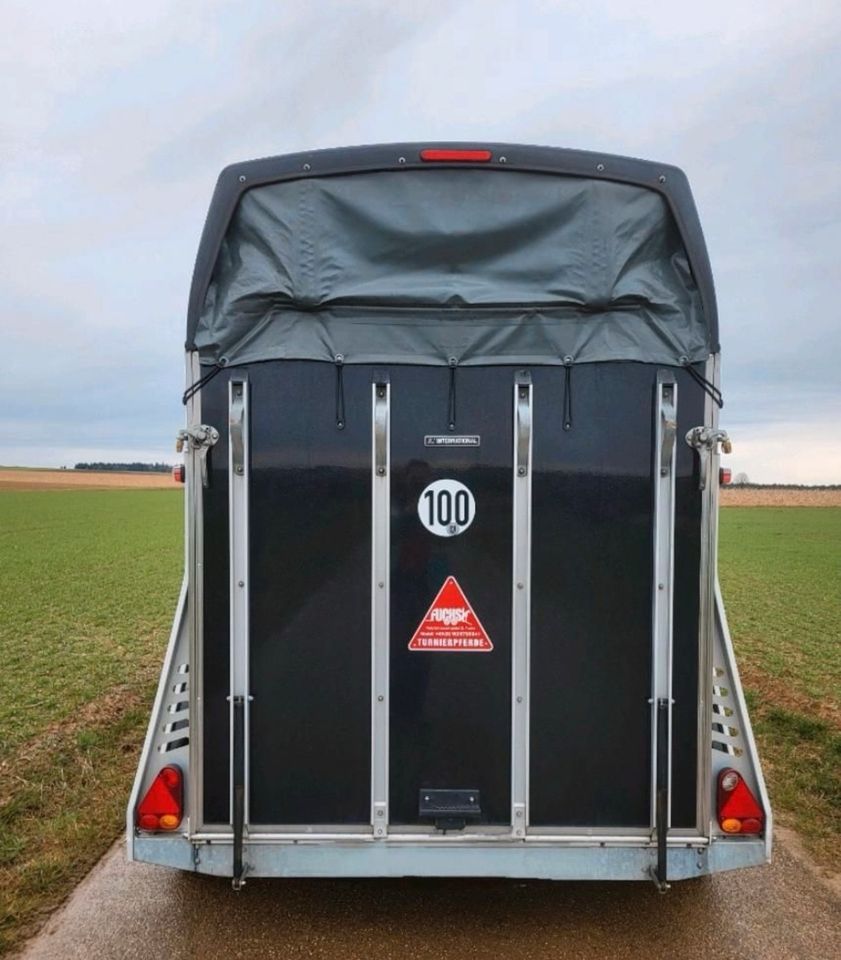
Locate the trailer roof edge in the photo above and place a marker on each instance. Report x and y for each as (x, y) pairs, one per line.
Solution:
(665, 179)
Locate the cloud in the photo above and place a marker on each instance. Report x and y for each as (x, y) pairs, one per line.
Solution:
(118, 118)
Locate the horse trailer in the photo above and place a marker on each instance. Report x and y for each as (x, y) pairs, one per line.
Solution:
(450, 605)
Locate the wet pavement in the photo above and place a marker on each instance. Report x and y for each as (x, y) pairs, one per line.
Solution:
(137, 911)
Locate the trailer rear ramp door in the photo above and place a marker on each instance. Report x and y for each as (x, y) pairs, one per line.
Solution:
(451, 602)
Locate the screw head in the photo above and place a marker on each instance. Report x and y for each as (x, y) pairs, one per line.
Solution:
(307, 167)
(521, 471)
(600, 167)
(242, 179)
(503, 159)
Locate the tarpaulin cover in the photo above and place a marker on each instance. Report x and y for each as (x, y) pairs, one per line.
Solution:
(431, 266)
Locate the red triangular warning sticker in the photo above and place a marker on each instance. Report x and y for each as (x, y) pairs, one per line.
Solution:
(450, 625)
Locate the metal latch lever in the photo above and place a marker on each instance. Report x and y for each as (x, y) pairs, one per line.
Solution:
(705, 441)
(199, 439)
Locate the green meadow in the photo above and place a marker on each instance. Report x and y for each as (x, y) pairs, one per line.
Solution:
(88, 585)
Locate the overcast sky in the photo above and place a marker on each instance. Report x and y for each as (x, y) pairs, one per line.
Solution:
(116, 118)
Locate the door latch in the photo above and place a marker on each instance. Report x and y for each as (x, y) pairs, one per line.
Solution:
(668, 427)
(706, 441)
(523, 422)
(198, 439)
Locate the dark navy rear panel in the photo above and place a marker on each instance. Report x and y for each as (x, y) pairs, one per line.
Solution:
(451, 711)
(592, 599)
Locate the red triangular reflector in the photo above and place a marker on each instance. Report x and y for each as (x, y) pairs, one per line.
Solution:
(450, 625)
(739, 803)
(164, 796)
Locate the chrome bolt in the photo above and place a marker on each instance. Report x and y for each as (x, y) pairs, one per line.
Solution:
(242, 179)
(503, 159)
(241, 583)
(307, 167)
(600, 167)
(661, 178)
(521, 471)
(380, 698)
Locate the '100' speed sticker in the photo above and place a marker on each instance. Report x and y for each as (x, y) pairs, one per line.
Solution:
(446, 508)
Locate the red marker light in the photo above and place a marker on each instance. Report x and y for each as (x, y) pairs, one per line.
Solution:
(455, 156)
(163, 805)
(725, 475)
(179, 473)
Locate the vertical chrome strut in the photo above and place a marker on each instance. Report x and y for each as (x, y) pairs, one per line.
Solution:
(238, 463)
(521, 603)
(665, 432)
(380, 566)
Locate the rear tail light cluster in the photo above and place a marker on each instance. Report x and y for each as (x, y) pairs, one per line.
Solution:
(738, 809)
(162, 807)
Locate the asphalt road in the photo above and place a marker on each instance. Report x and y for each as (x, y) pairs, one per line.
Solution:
(138, 911)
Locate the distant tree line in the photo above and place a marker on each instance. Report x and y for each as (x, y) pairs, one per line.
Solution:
(125, 467)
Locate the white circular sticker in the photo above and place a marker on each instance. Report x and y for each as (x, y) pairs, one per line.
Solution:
(446, 508)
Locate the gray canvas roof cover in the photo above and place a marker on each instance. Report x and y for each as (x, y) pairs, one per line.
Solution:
(426, 265)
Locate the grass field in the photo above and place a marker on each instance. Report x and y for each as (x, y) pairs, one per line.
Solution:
(780, 571)
(88, 583)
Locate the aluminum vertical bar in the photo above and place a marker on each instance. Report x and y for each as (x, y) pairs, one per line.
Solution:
(521, 604)
(665, 431)
(238, 467)
(380, 592)
(194, 551)
(706, 609)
